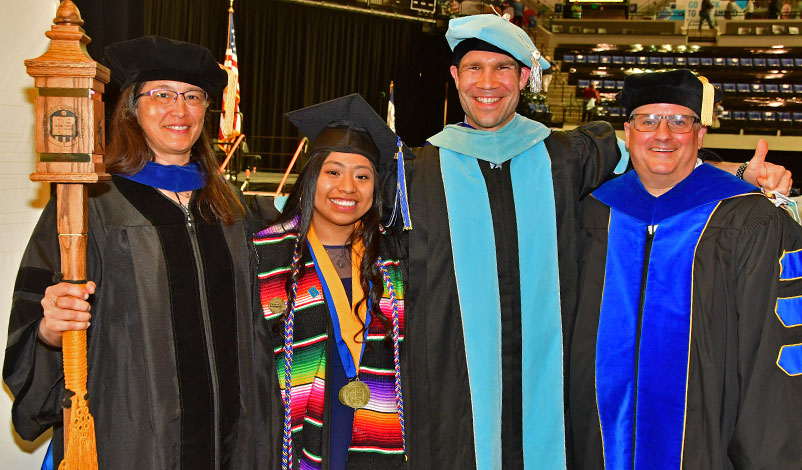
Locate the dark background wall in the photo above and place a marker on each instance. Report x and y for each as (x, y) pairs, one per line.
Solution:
(292, 55)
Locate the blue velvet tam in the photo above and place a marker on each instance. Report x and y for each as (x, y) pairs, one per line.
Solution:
(498, 32)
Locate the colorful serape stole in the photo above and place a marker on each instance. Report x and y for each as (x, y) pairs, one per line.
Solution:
(377, 436)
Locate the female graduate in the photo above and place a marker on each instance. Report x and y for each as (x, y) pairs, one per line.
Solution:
(170, 347)
(332, 295)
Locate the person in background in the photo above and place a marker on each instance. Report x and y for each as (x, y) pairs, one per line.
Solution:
(332, 295)
(530, 18)
(590, 111)
(590, 99)
(507, 9)
(730, 11)
(705, 10)
(576, 10)
(774, 9)
(750, 9)
(518, 13)
(785, 11)
(171, 381)
(687, 351)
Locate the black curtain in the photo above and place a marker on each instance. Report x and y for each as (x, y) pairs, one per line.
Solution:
(106, 23)
(293, 55)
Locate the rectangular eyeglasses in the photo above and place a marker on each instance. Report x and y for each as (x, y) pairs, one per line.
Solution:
(168, 97)
(677, 123)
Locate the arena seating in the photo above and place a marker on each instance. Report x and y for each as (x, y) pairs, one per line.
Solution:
(762, 86)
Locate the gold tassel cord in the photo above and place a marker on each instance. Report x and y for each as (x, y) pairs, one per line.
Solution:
(230, 97)
(81, 449)
(708, 92)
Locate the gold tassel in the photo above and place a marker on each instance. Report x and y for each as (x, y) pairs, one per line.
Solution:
(230, 97)
(81, 449)
(708, 92)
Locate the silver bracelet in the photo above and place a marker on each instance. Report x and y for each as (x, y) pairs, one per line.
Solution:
(741, 169)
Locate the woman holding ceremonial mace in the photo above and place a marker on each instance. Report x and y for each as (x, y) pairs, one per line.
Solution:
(170, 349)
(332, 294)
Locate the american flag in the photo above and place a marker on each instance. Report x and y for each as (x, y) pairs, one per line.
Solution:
(231, 62)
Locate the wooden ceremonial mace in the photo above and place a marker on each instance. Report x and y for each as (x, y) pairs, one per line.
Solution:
(70, 142)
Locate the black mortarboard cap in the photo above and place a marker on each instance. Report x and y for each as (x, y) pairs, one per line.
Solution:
(680, 87)
(157, 58)
(350, 125)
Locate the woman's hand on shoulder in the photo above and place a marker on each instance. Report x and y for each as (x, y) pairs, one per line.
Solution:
(65, 308)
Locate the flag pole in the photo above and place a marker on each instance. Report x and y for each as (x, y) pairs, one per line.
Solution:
(70, 134)
(230, 11)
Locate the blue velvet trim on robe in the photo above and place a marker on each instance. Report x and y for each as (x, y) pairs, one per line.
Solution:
(541, 320)
(343, 363)
(515, 138)
(341, 346)
(170, 177)
(789, 311)
(791, 265)
(660, 376)
(790, 360)
(473, 245)
(47, 464)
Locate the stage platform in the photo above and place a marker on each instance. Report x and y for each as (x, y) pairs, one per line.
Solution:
(262, 181)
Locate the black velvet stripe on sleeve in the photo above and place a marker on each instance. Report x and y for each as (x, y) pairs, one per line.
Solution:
(28, 291)
(194, 376)
(33, 280)
(505, 227)
(220, 292)
(789, 288)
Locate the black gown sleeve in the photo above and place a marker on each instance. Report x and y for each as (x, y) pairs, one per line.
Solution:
(32, 370)
(768, 427)
(587, 155)
(261, 212)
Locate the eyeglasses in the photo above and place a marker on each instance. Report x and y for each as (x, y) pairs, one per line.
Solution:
(677, 123)
(168, 97)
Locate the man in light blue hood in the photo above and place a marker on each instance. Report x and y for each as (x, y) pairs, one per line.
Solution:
(493, 263)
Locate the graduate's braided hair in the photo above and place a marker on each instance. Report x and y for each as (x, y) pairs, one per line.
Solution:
(289, 324)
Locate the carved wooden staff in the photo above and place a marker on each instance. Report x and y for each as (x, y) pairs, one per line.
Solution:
(70, 143)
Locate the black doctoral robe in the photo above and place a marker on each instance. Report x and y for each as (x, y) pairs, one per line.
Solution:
(171, 382)
(436, 388)
(695, 347)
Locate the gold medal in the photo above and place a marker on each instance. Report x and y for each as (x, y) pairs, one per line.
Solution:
(355, 394)
(276, 305)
